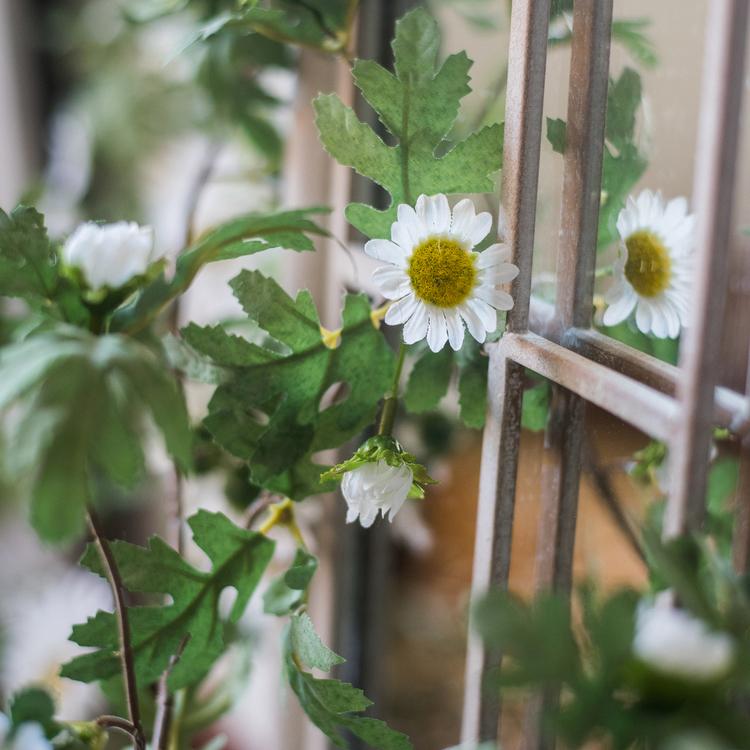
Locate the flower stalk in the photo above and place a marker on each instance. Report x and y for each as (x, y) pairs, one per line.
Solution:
(390, 404)
(123, 628)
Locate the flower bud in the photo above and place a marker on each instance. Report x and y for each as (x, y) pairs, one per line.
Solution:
(108, 256)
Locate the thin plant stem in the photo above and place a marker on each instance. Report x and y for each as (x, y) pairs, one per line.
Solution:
(165, 702)
(390, 404)
(123, 628)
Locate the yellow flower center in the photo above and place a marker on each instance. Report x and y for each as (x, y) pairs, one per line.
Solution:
(442, 272)
(649, 266)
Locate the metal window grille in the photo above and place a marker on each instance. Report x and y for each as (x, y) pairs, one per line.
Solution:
(676, 405)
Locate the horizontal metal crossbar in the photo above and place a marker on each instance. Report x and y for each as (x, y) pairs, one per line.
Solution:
(640, 405)
(731, 409)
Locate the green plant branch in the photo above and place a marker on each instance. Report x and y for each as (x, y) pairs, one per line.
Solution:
(123, 629)
(390, 404)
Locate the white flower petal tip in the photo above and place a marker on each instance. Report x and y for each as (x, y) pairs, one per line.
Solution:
(110, 255)
(439, 286)
(375, 488)
(654, 272)
(673, 642)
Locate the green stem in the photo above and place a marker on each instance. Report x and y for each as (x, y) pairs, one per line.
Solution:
(390, 404)
(127, 659)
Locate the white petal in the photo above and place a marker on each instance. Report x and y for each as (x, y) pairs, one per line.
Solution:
(399, 312)
(455, 329)
(486, 314)
(494, 255)
(480, 228)
(392, 282)
(416, 327)
(474, 323)
(643, 316)
(463, 219)
(386, 251)
(658, 321)
(498, 299)
(500, 274)
(407, 232)
(435, 213)
(620, 308)
(437, 333)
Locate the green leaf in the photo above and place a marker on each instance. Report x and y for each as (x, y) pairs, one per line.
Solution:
(557, 134)
(81, 402)
(623, 165)
(536, 407)
(288, 592)
(28, 262)
(429, 381)
(268, 406)
(323, 24)
(239, 558)
(472, 392)
(623, 100)
(34, 705)
(333, 706)
(418, 105)
(245, 235)
(308, 647)
(629, 33)
(538, 637)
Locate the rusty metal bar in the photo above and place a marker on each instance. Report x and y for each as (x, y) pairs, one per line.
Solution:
(716, 159)
(527, 57)
(637, 404)
(576, 260)
(661, 376)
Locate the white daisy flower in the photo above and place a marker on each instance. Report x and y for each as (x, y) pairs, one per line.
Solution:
(654, 270)
(374, 488)
(110, 255)
(438, 284)
(674, 642)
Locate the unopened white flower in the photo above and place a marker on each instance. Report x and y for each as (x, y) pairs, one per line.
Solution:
(673, 642)
(377, 479)
(654, 269)
(375, 488)
(438, 284)
(110, 255)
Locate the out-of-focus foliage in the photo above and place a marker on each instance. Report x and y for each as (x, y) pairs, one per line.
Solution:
(608, 693)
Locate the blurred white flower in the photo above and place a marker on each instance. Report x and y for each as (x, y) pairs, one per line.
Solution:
(375, 487)
(110, 255)
(438, 284)
(36, 623)
(674, 642)
(654, 269)
(28, 736)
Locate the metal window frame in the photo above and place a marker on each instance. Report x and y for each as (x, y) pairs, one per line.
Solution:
(677, 405)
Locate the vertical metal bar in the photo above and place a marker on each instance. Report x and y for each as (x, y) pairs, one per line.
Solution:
(713, 193)
(576, 260)
(523, 132)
